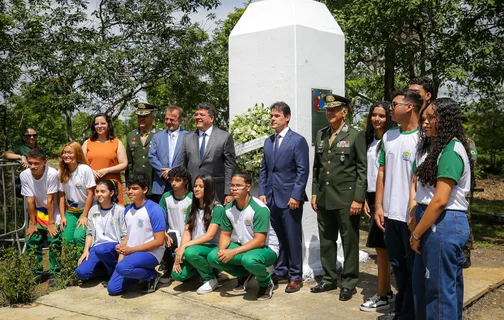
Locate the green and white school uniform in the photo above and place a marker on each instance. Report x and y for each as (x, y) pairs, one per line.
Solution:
(453, 163)
(243, 223)
(75, 190)
(175, 210)
(397, 154)
(195, 257)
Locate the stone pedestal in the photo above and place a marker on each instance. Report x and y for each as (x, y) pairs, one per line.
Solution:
(280, 50)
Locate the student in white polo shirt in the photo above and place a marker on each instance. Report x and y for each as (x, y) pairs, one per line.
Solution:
(398, 151)
(444, 171)
(200, 236)
(105, 231)
(248, 244)
(77, 184)
(142, 249)
(39, 185)
(175, 204)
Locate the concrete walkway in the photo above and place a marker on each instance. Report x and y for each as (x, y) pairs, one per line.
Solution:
(180, 301)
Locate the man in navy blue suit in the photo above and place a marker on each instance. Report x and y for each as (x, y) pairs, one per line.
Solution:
(282, 183)
(165, 149)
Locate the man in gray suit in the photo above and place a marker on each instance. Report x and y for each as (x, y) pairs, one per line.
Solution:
(209, 150)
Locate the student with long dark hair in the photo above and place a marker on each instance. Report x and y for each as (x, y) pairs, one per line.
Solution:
(378, 122)
(200, 235)
(106, 229)
(444, 178)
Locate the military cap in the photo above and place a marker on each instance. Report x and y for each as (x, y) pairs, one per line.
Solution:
(333, 101)
(144, 109)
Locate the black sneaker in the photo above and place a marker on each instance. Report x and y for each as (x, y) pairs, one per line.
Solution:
(161, 268)
(152, 284)
(265, 293)
(104, 283)
(242, 283)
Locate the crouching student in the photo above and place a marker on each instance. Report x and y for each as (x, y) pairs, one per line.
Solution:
(248, 244)
(175, 204)
(142, 249)
(39, 185)
(106, 229)
(200, 236)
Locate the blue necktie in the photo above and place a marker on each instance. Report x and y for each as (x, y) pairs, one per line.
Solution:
(171, 148)
(202, 148)
(275, 148)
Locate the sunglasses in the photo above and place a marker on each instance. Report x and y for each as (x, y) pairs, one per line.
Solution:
(30, 135)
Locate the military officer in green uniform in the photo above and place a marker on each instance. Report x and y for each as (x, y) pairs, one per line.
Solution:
(138, 143)
(338, 193)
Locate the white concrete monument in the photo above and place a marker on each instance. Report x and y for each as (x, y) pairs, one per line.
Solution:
(279, 51)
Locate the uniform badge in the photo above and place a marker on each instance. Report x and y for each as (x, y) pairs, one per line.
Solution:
(406, 155)
(320, 146)
(343, 144)
(133, 139)
(345, 128)
(140, 223)
(78, 186)
(342, 158)
(248, 223)
(184, 209)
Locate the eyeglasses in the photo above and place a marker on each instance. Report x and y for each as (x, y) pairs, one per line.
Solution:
(394, 105)
(30, 135)
(238, 186)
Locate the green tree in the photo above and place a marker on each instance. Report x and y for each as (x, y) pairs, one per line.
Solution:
(101, 62)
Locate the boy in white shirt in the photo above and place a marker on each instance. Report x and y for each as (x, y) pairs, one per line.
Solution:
(174, 203)
(39, 184)
(142, 249)
(398, 151)
(248, 244)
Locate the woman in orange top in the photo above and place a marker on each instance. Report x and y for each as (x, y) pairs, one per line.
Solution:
(106, 154)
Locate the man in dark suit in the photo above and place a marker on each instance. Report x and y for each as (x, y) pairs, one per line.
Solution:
(165, 150)
(339, 189)
(284, 173)
(209, 150)
(138, 143)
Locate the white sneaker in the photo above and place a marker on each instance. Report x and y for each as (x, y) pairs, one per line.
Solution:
(208, 286)
(375, 303)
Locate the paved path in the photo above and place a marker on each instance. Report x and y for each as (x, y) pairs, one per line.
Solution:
(180, 301)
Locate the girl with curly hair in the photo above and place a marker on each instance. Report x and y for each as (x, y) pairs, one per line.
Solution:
(444, 176)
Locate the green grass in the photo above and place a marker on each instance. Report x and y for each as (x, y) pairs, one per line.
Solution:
(488, 231)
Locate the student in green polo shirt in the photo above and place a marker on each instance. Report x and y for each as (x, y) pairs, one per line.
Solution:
(248, 244)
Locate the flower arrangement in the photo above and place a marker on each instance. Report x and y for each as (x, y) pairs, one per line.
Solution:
(253, 124)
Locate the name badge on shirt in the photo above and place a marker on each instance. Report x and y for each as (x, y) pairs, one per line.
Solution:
(343, 144)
